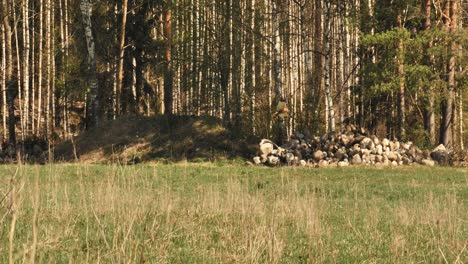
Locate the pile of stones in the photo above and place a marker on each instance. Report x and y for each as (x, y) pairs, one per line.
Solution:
(351, 147)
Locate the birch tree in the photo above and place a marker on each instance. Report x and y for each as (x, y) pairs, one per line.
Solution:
(9, 85)
(326, 43)
(93, 82)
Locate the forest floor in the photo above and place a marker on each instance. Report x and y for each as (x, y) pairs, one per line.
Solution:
(225, 213)
(135, 139)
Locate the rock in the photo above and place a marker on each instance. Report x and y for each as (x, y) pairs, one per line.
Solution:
(290, 158)
(340, 154)
(318, 155)
(345, 140)
(343, 164)
(391, 144)
(406, 161)
(365, 159)
(275, 152)
(385, 161)
(407, 145)
(441, 155)
(366, 143)
(357, 159)
(305, 152)
(415, 154)
(385, 142)
(426, 154)
(428, 162)
(298, 154)
(273, 161)
(257, 160)
(375, 140)
(266, 147)
(316, 141)
(356, 149)
(358, 139)
(396, 145)
(379, 158)
(294, 144)
(379, 149)
(335, 150)
(441, 147)
(323, 164)
(365, 152)
(392, 156)
(398, 157)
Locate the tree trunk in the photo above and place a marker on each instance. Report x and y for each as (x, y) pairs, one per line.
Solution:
(26, 45)
(49, 57)
(225, 60)
(19, 92)
(401, 80)
(33, 74)
(429, 119)
(10, 87)
(52, 69)
(39, 68)
(447, 124)
(236, 67)
(93, 82)
(120, 71)
(277, 64)
(326, 43)
(168, 75)
(316, 92)
(277, 69)
(3, 82)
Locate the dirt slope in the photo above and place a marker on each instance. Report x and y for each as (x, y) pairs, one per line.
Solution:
(135, 139)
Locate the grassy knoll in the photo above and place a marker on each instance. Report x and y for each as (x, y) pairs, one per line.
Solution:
(224, 214)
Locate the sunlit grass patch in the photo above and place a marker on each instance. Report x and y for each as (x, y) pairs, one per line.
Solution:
(207, 213)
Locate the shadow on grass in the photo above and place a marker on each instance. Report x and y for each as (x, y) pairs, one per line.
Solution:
(133, 139)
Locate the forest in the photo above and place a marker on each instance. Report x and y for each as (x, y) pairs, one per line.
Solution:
(397, 68)
(233, 131)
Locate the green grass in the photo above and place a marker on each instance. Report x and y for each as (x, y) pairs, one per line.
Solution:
(205, 213)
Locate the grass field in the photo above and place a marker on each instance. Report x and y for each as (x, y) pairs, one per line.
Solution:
(205, 213)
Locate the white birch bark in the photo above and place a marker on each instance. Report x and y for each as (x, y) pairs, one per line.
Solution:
(93, 82)
(3, 84)
(329, 100)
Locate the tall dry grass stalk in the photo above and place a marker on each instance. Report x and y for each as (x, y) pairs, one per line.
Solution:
(13, 214)
(35, 202)
(189, 214)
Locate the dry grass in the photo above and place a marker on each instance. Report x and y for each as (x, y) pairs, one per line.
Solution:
(231, 214)
(133, 139)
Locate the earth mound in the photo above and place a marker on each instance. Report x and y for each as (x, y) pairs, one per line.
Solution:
(134, 139)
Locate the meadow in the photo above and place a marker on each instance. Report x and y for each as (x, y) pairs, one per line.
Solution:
(209, 213)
